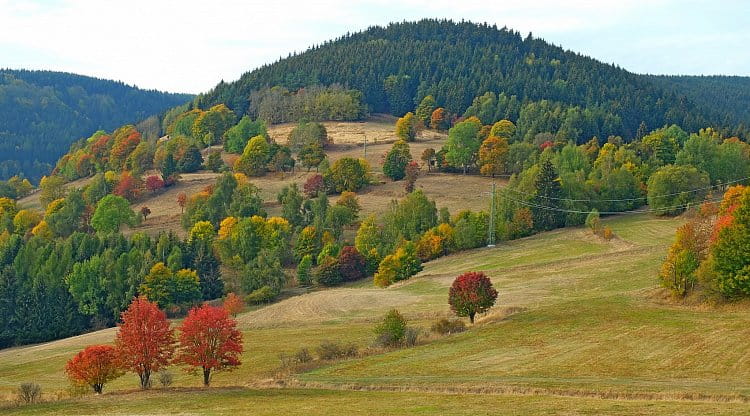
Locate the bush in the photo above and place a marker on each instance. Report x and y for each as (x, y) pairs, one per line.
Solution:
(391, 331)
(314, 185)
(327, 273)
(263, 295)
(303, 356)
(448, 326)
(165, 378)
(303, 270)
(29, 393)
(351, 264)
(328, 350)
(411, 336)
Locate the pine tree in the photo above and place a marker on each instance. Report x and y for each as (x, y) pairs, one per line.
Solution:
(547, 199)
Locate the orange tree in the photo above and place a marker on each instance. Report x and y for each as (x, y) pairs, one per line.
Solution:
(144, 340)
(470, 294)
(95, 366)
(209, 340)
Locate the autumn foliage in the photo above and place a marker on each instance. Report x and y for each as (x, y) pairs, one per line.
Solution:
(94, 366)
(314, 185)
(154, 183)
(144, 339)
(471, 293)
(233, 304)
(210, 341)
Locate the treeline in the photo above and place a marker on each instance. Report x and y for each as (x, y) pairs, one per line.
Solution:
(43, 112)
(395, 67)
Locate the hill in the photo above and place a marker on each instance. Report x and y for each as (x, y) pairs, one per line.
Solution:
(394, 67)
(43, 112)
(571, 333)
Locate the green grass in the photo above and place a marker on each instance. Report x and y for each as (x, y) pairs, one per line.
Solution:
(577, 316)
(236, 401)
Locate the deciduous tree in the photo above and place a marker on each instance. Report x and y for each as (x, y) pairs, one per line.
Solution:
(471, 293)
(95, 366)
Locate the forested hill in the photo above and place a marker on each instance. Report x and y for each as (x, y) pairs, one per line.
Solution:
(728, 96)
(396, 66)
(43, 112)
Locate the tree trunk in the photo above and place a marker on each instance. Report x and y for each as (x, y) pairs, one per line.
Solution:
(206, 376)
(145, 376)
(471, 317)
(98, 387)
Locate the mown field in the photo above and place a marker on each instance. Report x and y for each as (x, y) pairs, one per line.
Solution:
(580, 327)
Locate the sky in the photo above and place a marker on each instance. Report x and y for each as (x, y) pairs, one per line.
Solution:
(189, 46)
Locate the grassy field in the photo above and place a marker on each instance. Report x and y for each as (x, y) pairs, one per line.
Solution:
(580, 327)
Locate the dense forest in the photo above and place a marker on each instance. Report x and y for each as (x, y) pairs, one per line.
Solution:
(43, 112)
(397, 66)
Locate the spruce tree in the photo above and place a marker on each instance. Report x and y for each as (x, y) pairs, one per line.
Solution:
(546, 200)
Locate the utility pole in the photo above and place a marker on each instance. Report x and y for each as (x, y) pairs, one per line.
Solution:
(491, 231)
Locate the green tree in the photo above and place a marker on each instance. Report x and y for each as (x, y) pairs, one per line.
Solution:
(463, 144)
(307, 134)
(546, 209)
(51, 188)
(254, 158)
(671, 189)
(347, 174)
(311, 155)
(396, 160)
(235, 139)
(424, 110)
(112, 212)
(731, 252)
(211, 125)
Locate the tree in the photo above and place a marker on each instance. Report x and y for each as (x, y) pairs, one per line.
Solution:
(671, 189)
(233, 304)
(405, 128)
(214, 163)
(328, 272)
(144, 340)
(145, 212)
(254, 158)
(51, 189)
(166, 288)
(731, 251)
(191, 160)
(168, 167)
(428, 156)
(154, 183)
(95, 366)
(308, 134)
(235, 139)
(392, 329)
(209, 127)
(547, 199)
(439, 119)
(400, 265)
(471, 293)
(303, 270)
(182, 201)
(396, 160)
(347, 174)
(351, 264)
(493, 156)
(311, 155)
(463, 144)
(314, 185)
(128, 186)
(411, 173)
(25, 220)
(210, 341)
(111, 212)
(503, 129)
(425, 109)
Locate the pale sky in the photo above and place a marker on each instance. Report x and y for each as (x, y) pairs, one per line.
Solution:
(189, 46)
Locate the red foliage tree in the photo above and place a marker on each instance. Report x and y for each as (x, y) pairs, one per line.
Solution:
(470, 294)
(182, 201)
(154, 183)
(233, 304)
(351, 264)
(209, 340)
(145, 212)
(411, 173)
(128, 187)
(546, 144)
(94, 366)
(144, 340)
(314, 185)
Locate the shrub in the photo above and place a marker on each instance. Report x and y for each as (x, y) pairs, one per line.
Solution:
(593, 221)
(165, 378)
(327, 273)
(351, 264)
(448, 326)
(607, 233)
(263, 295)
(328, 350)
(314, 185)
(471, 293)
(391, 331)
(303, 356)
(411, 336)
(303, 270)
(29, 392)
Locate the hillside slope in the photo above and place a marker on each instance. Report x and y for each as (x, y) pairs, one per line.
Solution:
(396, 66)
(43, 112)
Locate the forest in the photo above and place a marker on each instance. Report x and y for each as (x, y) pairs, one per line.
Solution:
(43, 112)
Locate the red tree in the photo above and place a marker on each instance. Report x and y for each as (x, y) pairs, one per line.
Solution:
(411, 172)
(94, 366)
(182, 201)
(351, 264)
(144, 339)
(145, 212)
(313, 185)
(128, 187)
(209, 339)
(233, 304)
(470, 294)
(154, 183)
